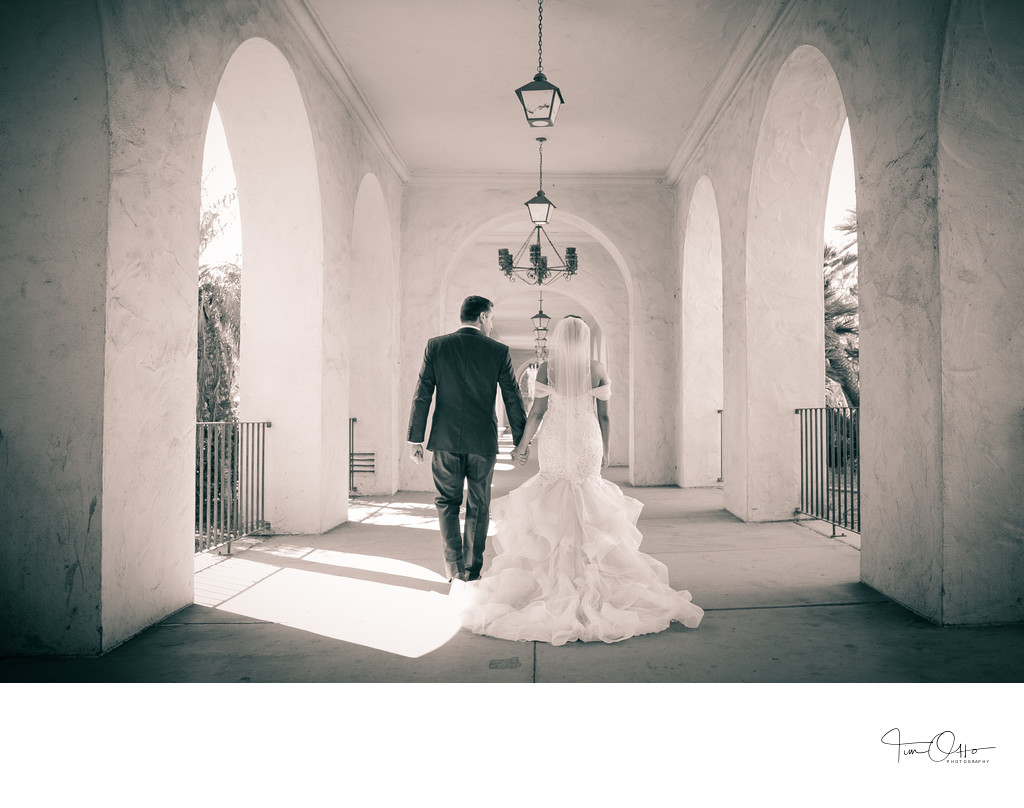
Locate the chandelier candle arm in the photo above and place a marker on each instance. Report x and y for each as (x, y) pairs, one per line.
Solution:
(538, 269)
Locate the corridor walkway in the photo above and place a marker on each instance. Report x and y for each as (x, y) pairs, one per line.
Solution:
(366, 603)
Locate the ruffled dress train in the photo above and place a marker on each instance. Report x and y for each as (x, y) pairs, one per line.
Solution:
(567, 563)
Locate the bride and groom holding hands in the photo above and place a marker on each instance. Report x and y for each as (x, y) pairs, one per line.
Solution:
(567, 563)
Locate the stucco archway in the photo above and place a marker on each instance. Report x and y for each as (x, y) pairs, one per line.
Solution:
(601, 292)
(782, 365)
(282, 371)
(557, 304)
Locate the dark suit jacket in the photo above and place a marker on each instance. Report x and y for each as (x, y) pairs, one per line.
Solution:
(464, 369)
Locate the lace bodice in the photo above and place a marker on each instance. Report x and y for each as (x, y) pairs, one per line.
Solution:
(570, 436)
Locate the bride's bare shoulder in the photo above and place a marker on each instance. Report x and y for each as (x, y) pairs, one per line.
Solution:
(598, 375)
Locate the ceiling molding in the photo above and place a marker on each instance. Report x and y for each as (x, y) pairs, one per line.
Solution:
(747, 53)
(322, 49)
(530, 180)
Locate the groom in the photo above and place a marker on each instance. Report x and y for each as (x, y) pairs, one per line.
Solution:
(462, 371)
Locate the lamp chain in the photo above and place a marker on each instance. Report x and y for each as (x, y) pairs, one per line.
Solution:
(540, 36)
(541, 162)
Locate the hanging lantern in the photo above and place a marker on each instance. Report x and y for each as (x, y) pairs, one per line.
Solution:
(540, 321)
(540, 206)
(541, 101)
(540, 98)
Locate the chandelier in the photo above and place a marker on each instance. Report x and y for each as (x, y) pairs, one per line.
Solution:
(538, 270)
(540, 98)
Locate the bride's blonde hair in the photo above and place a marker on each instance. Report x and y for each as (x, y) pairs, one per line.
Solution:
(569, 357)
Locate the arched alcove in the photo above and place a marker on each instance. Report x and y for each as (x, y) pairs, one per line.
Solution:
(373, 340)
(601, 292)
(283, 371)
(780, 365)
(520, 305)
(700, 387)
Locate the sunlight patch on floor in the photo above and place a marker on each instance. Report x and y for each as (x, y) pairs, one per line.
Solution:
(389, 566)
(225, 580)
(285, 550)
(395, 514)
(395, 619)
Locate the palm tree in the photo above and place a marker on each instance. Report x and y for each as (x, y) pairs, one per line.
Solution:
(220, 296)
(842, 352)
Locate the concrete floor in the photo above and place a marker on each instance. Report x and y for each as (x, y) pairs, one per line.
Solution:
(366, 603)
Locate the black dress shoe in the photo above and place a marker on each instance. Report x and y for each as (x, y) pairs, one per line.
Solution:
(472, 576)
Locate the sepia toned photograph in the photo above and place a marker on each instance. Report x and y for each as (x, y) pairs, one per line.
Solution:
(511, 374)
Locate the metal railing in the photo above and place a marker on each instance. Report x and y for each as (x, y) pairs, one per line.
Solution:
(830, 465)
(230, 481)
(358, 462)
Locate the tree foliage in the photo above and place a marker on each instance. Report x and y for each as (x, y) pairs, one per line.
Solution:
(219, 322)
(842, 326)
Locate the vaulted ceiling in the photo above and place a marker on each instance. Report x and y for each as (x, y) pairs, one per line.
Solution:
(440, 77)
(640, 80)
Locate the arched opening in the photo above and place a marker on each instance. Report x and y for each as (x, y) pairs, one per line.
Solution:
(220, 259)
(282, 373)
(700, 394)
(373, 340)
(842, 339)
(783, 340)
(512, 326)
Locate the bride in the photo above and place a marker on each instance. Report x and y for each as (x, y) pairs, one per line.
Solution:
(567, 562)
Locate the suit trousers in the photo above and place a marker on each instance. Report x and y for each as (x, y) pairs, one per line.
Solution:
(463, 551)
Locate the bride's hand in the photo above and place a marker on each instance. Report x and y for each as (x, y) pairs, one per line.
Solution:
(605, 461)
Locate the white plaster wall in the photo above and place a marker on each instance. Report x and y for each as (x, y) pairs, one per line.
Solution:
(281, 356)
(783, 298)
(54, 170)
(157, 135)
(700, 352)
(373, 329)
(886, 57)
(124, 359)
(637, 221)
(981, 207)
(345, 156)
(181, 56)
(891, 93)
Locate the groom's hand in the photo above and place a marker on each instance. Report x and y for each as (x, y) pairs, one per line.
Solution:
(521, 455)
(416, 452)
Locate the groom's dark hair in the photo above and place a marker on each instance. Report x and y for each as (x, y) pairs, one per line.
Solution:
(472, 307)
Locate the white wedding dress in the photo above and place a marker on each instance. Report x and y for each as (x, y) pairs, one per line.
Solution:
(567, 562)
